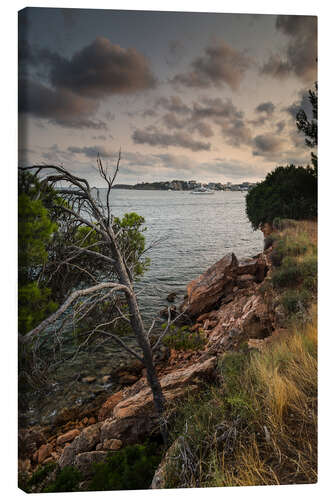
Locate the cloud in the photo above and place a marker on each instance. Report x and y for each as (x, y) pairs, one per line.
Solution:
(265, 111)
(220, 65)
(101, 69)
(73, 87)
(60, 106)
(236, 133)
(266, 144)
(153, 137)
(280, 126)
(171, 121)
(265, 107)
(300, 55)
(217, 109)
(174, 104)
(302, 102)
(92, 151)
(203, 129)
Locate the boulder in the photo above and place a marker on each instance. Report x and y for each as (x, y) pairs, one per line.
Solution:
(67, 437)
(173, 384)
(245, 280)
(84, 461)
(44, 452)
(89, 379)
(205, 292)
(110, 403)
(247, 266)
(112, 444)
(86, 441)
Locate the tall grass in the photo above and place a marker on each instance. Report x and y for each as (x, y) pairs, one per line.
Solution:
(258, 425)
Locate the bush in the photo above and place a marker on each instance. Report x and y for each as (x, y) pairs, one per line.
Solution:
(296, 301)
(287, 274)
(131, 468)
(67, 480)
(183, 339)
(287, 192)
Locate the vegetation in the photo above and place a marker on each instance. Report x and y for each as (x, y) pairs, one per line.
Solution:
(258, 423)
(294, 258)
(183, 339)
(287, 192)
(310, 127)
(36, 230)
(131, 468)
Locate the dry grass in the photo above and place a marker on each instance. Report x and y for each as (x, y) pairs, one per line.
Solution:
(258, 425)
(283, 450)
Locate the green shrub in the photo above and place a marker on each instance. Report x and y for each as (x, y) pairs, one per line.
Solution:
(131, 468)
(67, 480)
(286, 275)
(183, 339)
(296, 301)
(286, 193)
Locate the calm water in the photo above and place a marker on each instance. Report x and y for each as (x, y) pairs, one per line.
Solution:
(196, 231)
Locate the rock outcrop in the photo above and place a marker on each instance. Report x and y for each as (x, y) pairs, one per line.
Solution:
(133, 415)
(205, 292)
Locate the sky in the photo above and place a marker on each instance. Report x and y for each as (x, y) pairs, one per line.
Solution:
(206, 97)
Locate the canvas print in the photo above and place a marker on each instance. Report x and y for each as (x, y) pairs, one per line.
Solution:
(167, 256)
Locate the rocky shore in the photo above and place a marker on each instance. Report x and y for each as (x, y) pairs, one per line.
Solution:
(226, 304)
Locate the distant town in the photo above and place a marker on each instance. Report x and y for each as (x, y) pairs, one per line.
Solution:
(177, 185)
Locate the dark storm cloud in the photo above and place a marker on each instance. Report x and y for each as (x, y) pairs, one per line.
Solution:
(154, 137)
(300, 57)
(73, 88)
(102, 69)
(266, 144)
(57, 105)
(220, 65)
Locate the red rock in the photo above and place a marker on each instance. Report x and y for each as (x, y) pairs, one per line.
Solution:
(44, 452)
(110, 403)
(112, 444)
(247, 266)
(205, 291)
(67, 437)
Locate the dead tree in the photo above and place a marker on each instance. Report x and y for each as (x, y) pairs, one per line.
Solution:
(84, 208)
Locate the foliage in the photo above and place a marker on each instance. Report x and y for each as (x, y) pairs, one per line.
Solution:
(287, 192)
(35, 232)
(132, 241)
(257, 425)
(34, 305)
(67, 480)
(183, 339)
(309, 127)
(131, 468)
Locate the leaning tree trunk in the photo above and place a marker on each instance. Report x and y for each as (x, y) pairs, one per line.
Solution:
(139, 330)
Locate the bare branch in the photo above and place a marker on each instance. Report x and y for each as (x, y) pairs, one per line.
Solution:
(75, 295)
